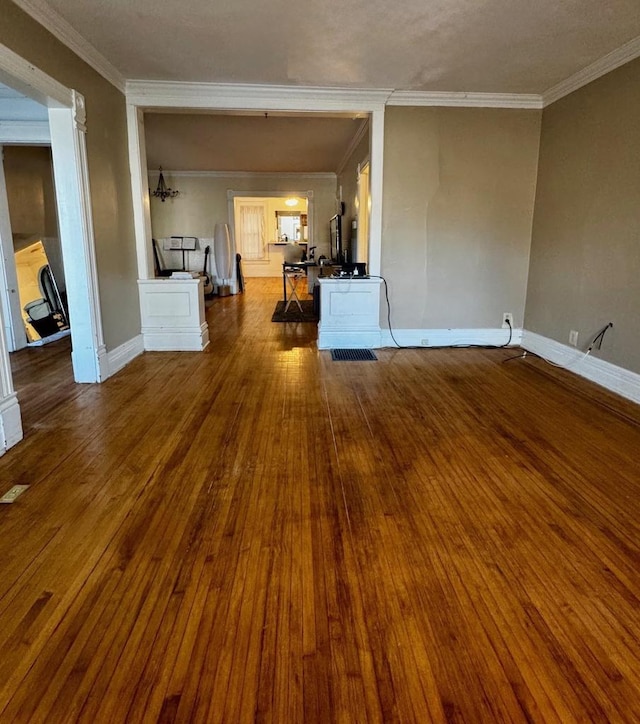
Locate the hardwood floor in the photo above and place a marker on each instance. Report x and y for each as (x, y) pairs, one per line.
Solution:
(257, 533)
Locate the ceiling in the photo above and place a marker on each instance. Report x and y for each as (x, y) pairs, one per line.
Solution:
(15, 107)
(263, 143)
(437, 46)
(485, 46)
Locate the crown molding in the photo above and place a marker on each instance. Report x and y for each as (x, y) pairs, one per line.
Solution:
(624, 54)
(245, 174)
(30, 132)
(44, 14)
(364, 127)
(170, 94)
(465, 100)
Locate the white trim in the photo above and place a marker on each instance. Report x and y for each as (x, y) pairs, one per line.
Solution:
(349, 338)
(140, 191)
(14, 330)
(297, 175)
(31, 132)
(616, 379)
(177, 340)
(465, 100)
(376, 191)
(624, 54)
(44, 14)
(121, 356)
(364, 127)
(10, 423)
(71, 175)
(450, 337)
(24, 77)
(240, 96)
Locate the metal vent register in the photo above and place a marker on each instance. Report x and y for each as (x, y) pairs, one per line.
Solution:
(353, 355)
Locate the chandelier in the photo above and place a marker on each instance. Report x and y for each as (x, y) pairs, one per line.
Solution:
(162, 192)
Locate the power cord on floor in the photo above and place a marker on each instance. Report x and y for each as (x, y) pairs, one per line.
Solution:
(595, 342)
(436, 346)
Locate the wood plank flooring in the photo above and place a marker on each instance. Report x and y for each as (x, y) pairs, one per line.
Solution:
(257, 533)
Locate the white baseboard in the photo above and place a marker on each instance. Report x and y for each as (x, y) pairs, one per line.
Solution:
(176, 340)
(613, 378)
(357, 338)
(10, 423)
(449, 337)
(121, 356)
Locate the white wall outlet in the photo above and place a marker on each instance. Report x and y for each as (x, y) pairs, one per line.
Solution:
(507, 316)
(573, 338)
(424, 342)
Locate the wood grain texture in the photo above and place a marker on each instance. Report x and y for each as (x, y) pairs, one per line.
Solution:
(257, 533)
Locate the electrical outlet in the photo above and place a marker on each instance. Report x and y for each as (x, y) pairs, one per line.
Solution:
(507, 316)
(13, 493)
(424, 342)
(573, 338)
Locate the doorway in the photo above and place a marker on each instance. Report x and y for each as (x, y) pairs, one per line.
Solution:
(263, 225)
(65, 130)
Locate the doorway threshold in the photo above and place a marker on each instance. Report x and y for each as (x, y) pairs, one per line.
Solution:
(51, 338)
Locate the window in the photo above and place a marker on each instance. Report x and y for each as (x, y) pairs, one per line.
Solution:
(251, 228)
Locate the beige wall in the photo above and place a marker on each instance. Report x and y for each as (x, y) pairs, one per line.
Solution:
(458, 197)
(585, 253)
(30, 192)
(203, 202)
(348, 179)
(108, 167)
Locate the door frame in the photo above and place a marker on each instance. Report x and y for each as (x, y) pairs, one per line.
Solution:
(67, 127)
(149, 95)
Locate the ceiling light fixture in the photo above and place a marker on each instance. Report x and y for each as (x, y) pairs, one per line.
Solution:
(291, 202)
(163, 192)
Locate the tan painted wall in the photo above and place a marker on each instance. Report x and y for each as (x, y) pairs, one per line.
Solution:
(348, 179)
(585, 253)
(30, 192)
(108, 167)
(203, 202)
(458, 194)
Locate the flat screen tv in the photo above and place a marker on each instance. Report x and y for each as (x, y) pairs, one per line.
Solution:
(335, 231)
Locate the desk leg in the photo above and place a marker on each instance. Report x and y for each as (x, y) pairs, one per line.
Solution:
(284, 285)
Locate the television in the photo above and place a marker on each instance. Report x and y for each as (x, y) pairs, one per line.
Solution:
(335, 232)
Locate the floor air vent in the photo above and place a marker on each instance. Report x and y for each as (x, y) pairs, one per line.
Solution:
(352, 355)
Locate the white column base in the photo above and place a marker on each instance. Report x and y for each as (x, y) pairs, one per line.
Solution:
(10, 423)
(349, 313)
(172, 312)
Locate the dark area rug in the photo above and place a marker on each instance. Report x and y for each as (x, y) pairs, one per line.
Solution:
(294, 314)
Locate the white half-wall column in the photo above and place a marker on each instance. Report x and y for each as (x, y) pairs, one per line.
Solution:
(376, 176)
(10, 418)
(76, 235)
(12, 313)
(140, 191)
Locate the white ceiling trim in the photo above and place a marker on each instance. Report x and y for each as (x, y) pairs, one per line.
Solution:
(44, 14)
(624, 54)
(36, 132)
(465, 100)
(364, 127)
(245, 174)
(168, 94)
(24, 77)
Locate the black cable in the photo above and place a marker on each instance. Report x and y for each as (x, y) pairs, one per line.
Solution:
(597, 340)
(438, 346)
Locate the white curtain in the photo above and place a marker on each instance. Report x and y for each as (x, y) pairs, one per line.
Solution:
(251, 228)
